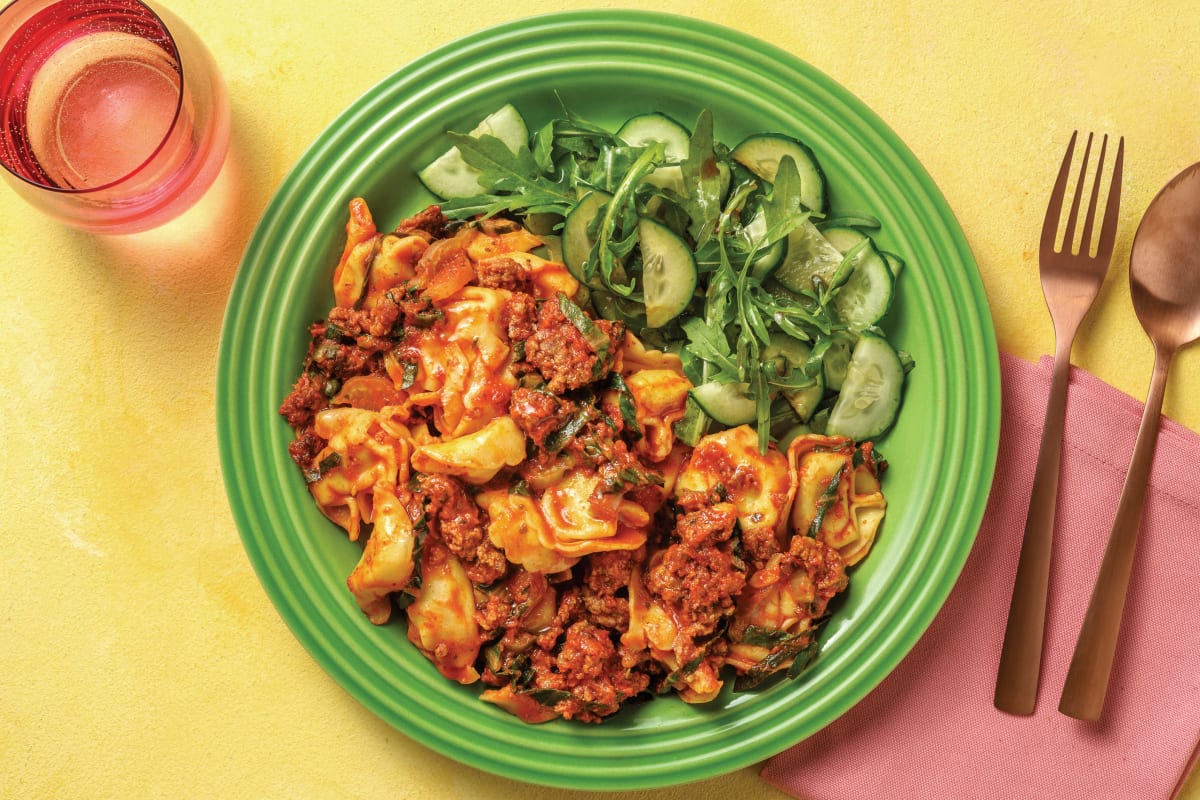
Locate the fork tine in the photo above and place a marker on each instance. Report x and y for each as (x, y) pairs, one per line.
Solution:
(1108, 228)
(1085, 241)
(1054, 209)
(1069, 235)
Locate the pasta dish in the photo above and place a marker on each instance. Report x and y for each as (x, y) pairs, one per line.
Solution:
(511, 466)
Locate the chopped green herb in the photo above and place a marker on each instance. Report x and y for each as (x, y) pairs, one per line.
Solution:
(805, 658)
(758, 636)
(409, 374)
(596, 339)
(574, 424)
(825, 502)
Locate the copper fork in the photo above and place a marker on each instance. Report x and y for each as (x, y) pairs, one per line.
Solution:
(1071, 280)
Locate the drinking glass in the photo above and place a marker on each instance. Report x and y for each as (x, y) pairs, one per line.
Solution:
(115, 117)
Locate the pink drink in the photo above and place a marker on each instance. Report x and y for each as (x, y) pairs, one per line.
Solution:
(108, 116)
(112, 123)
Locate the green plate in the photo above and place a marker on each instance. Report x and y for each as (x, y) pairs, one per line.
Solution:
(607, 66)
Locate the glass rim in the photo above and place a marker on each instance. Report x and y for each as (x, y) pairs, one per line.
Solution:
(173, 53)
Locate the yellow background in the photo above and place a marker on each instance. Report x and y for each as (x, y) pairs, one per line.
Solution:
(139, 656)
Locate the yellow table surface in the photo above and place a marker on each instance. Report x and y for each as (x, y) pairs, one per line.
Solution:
(139, 657)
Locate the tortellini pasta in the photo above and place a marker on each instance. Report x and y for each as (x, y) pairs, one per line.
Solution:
(387, 560)
(475, 457)
(441, 618)
(361, 454)
(758, 484)
(660, 400)
(583, 518)
(518, 528)
(465, 371)
(546, 535)
(838, 498)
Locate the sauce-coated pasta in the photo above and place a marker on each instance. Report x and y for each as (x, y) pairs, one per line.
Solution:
(510, 465)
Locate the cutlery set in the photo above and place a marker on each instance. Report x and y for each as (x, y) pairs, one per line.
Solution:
(1164, 275)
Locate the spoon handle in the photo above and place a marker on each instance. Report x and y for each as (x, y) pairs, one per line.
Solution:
(1021, 653)
(1087, 677)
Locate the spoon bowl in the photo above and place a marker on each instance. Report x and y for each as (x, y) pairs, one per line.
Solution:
(1164, 283)
(1164, 265)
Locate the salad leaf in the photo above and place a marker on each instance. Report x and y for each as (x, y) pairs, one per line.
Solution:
(702, 179)
(515, 181)
(710, 344)
(781, 206)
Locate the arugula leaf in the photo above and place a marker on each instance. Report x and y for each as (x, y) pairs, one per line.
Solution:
(792, 649)
(543, 147)
(816, 357)
(850, 260)
(501, 168)
(719, 302)
(574, 424)
(803, 321)
(514, 181)
(762, 636)
(782, 206)
(710, 344)
(702, 179)
(617, 232)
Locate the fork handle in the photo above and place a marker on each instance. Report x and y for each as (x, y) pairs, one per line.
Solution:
(1091, 664)
(1021, 653)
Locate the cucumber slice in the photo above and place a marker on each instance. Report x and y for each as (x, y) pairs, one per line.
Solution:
(761, 152)
(644, 129)
(543, 224)
(895, 263)
(728, 403)
(836, 361)
(669, 274)
(551, 248)
(795, 352)
(576, 243)
(785, 439)
(867, 293)
(809, 255)
(449, 176)
(844, 239)
(619, 309)
(870, 395)
(668, 178)
(782, 417)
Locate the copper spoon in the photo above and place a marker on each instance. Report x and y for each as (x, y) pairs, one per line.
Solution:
(1164, 280)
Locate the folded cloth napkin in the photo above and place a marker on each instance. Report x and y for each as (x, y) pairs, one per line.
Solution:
(929, 730)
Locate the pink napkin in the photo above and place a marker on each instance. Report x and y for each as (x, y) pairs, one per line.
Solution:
(930, 729)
